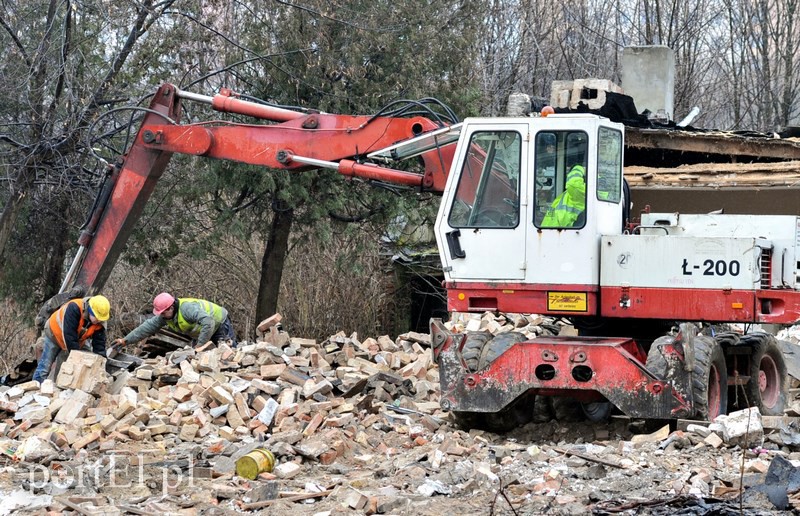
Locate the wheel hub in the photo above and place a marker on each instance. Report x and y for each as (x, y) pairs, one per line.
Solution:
(768, 381)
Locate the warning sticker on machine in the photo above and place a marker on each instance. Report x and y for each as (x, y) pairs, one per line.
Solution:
(566, 301)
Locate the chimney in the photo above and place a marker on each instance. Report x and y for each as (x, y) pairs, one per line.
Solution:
(648, 75)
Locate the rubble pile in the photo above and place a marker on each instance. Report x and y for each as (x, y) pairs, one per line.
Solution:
(790, 334)
(354, 426)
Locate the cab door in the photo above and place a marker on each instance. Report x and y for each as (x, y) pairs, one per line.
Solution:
(480, 227)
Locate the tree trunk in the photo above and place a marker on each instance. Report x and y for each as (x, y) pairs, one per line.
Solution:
(272, 263)
(790, 48)
(56, 252)
(12, 210)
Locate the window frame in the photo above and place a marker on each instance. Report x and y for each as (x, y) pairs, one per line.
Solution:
(484, 186)
(563, 147)
(601, 161)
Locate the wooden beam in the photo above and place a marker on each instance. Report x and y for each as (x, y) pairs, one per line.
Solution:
(712, 143)
(717, 175)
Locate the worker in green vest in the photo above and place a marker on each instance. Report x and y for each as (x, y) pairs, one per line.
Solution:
(198, 319)
(568, 207)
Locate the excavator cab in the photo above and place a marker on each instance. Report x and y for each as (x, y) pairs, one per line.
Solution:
(501, 245)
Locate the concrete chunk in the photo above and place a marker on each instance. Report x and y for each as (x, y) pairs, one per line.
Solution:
(742, 428)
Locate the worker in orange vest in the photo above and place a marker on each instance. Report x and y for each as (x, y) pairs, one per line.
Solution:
(69, 327)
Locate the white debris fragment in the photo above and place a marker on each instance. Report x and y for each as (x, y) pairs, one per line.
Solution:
(742, 427)
(432, 487)
(22, 500)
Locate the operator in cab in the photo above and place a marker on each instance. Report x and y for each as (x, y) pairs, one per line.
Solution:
(567, 209)
(198, 319)
(69, 327)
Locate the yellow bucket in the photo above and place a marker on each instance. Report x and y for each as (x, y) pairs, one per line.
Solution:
(255, 462)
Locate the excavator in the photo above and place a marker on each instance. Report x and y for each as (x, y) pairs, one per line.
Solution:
(625, 285)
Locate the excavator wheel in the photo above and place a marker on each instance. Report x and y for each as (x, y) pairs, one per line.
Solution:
(497, 346)
(709, 379)
(481, 348)
(515, 415)
(597, 411)
(549, 329)
(656, 363)
(709, 376)
(561, 408)
(567, 409)
(768, 385)
(473, 348)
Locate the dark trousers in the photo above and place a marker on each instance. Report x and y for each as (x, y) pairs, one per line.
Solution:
(225, 332)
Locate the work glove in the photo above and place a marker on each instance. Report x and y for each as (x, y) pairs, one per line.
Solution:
(114, 348)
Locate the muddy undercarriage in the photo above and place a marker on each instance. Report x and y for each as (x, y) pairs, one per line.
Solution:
(500, 381)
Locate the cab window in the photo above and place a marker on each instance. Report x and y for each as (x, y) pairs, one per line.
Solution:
(560, 180)
(609, 165)
(487, 195)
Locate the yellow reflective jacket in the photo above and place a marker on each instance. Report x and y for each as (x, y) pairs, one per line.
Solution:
(568, 206)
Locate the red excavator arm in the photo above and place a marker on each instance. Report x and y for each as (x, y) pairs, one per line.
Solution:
(293, 140)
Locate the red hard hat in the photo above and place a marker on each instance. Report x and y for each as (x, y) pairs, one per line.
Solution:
(162, 302)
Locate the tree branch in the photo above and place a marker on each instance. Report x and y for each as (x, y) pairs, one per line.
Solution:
(138, 29)
(213, 31)
(355, 218)
(65, 47)
(395, 28)
(8, 139)
(16, 40)
(38, 80)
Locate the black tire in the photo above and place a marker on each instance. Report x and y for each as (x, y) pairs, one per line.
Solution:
(518, 413)
(482, 348)
(567, 409)
(597, 411)
(473, 348)
(709, 362)
(549, 329)
(768, 386)
(709, 379)
(467, 420)
(497, 346)
(656, 363)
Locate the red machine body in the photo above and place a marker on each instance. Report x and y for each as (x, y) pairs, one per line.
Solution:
(318, 137)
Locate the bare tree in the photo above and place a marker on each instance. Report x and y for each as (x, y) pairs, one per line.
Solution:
(58, 80)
